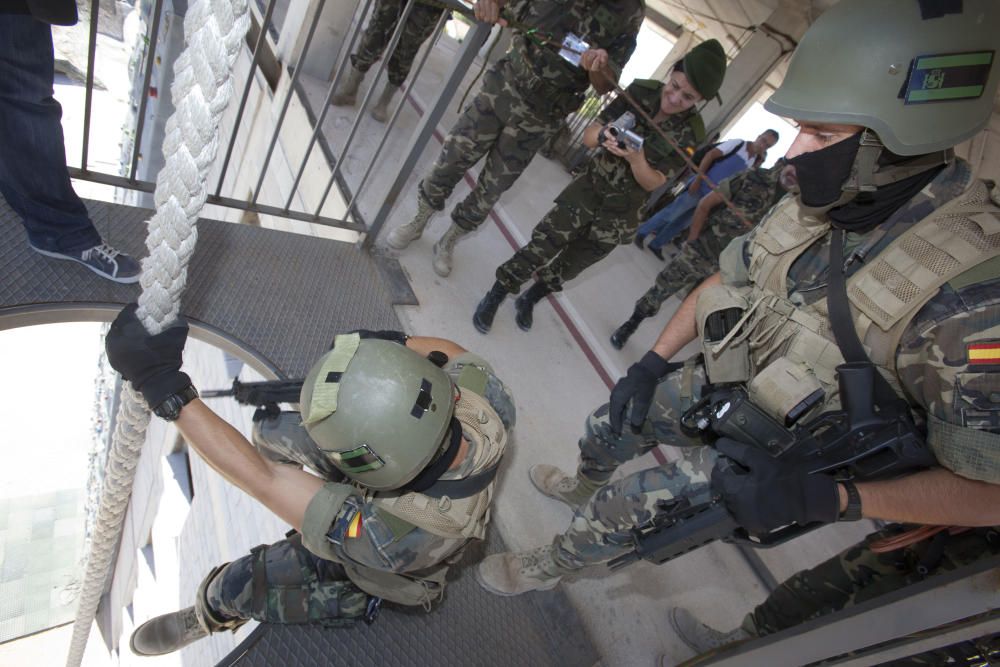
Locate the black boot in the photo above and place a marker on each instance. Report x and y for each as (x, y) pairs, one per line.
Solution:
(487, 308)
(525, 304)
(625, 331)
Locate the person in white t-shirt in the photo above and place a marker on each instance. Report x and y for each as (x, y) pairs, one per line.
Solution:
(722, 161)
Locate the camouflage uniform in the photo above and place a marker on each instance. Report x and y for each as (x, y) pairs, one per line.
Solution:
(418, 28)
(301, 587)
(524, 98)
(601, 208)
(933, 369)
(753, 192)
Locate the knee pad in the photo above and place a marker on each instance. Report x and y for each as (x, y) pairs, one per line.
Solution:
(211, 620)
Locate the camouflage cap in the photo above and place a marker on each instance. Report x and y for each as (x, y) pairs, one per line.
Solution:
(705, 67)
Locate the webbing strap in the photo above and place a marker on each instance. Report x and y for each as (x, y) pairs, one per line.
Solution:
(842, 322)
(465, 487)
(259, 594)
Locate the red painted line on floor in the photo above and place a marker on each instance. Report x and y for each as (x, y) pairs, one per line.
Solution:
(560, 311)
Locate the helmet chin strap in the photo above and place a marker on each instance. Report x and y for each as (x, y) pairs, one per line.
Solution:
(867, 175)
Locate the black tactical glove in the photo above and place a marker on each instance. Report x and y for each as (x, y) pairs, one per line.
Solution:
(151, 363)
(763, 493)
(383, 334)
(638, 386)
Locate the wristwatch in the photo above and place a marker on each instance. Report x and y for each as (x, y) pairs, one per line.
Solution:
(170, 407)
(853, 510)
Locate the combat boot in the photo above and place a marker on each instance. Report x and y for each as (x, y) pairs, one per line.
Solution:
(513, 573)
(699, 637)
(167, 633)
(380, 111)
(404, 235)
(347, 91)
(444, 248)
(553, 482)
(482, 319)
(625, 331)
(525, 305)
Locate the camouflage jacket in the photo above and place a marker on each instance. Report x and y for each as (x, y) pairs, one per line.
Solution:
(542, 75)
(939, 362)
(386, 542)
(753, 192)
(607, 184)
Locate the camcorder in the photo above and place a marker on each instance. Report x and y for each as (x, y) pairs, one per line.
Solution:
(621, 130)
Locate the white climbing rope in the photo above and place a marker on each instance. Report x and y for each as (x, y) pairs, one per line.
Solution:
(214, 31)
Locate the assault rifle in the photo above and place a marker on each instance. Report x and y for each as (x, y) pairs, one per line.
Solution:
(264, 395)
(856, 442)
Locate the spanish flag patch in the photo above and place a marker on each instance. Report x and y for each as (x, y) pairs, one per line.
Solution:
(984, 353)
(354, 528)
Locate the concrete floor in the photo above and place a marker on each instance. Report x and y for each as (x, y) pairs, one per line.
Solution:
(558, 372)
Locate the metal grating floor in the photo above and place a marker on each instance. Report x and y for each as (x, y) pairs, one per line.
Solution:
(280, 298)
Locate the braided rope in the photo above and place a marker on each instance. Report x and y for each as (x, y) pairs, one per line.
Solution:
(214, 31)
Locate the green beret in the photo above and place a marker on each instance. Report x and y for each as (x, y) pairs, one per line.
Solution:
(705, 67)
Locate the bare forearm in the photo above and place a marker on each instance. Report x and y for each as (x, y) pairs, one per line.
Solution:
(591, 134)
(682, 328)
(283, 489)
(937, 497)
(424, 345)
(701, 213)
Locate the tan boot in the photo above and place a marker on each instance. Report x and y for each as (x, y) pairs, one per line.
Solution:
(444, 248)
(404, 235)
(380, 111)
(553, 482)
(167, 633)
(513, 573)
(699, 637)
(347, 91)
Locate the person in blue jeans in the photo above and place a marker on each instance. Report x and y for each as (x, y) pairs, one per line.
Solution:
(33, 175)
(728, 158)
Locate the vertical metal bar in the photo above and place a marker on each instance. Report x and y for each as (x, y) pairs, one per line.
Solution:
(474, 39)
(396, 35)
(151, 39)
(326, 101)
(395, 114)
(246, 92)
(288, 99)
(95, 16)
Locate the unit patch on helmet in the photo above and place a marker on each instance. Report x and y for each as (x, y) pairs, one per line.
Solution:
(424, 401)
(359, 459)
(947, 77)
(327, 386)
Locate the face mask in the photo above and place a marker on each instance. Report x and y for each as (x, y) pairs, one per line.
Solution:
(821, 174)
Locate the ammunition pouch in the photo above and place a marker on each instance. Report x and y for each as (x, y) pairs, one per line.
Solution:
(718, 312)
(544, 96)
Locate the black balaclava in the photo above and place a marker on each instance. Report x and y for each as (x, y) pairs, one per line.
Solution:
(822, 174)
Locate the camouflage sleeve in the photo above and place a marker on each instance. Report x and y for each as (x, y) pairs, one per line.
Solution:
(948, 362)
(620, 50)
(366, 535)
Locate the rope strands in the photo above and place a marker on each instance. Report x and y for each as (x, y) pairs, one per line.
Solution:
(214, 31)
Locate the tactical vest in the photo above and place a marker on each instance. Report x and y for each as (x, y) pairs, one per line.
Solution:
(454, 518)
(785, 351)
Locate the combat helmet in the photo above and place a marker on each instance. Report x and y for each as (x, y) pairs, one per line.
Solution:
(382, 413)
(924, 80)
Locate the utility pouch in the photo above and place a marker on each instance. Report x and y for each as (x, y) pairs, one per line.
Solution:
(718, 311)
(786, 391)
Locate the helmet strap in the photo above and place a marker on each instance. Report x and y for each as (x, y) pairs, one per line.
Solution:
(867, 175)
(426, 478)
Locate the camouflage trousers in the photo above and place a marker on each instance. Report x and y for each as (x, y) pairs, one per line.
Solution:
(570, 238)
(858, 574)
(682, 275)
(285, 582)
(600, 529)
(499, 124)
(378, 33)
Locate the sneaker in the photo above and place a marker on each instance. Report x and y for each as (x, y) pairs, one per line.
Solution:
(658, 253)
(103, 260)
(639, 240)
(699, 637)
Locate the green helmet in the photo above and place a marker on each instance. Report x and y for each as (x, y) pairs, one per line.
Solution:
(919, 74)
(378, 409)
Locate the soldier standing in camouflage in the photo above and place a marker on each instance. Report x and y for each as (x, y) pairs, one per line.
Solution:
(923, 294)
(523, 100)
(419, 26)
(601, 208)
(753, 192)
(417, 418)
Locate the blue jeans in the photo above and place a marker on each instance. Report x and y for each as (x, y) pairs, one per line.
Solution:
(33, 175)
(670, 221)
